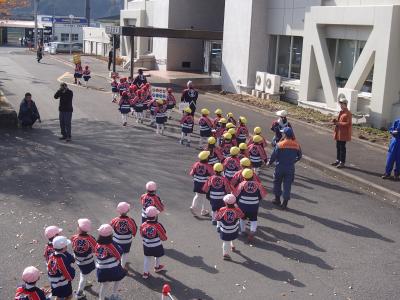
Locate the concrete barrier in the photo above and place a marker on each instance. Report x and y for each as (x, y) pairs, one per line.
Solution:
(8, 115)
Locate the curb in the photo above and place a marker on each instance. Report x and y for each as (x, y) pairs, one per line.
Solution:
(8, 116)
(271, 114)
(366, 186)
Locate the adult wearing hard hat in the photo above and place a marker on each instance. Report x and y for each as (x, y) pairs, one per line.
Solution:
(342, 133)
(285, 155)
(393, 153)
(190, 96)
(278, 126)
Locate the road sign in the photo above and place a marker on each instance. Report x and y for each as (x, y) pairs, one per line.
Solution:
(117, 30)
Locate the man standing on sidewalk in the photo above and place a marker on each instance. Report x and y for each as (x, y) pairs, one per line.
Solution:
(342, 134)
(393, 156)
(286, 154)
(65, 108)
(110, 59)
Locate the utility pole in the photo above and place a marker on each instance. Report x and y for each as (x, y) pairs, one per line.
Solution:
(53, 21)
(87, 9)
(35, 13)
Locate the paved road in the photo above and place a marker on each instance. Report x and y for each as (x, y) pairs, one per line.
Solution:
(334, 243)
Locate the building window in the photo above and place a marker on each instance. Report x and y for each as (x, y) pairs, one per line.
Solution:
(284, 56)
(344, 55)
(64, 37)
(74, 37)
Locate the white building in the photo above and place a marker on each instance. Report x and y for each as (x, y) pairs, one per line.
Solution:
(175, 54)
(64, 27)
(318, 47)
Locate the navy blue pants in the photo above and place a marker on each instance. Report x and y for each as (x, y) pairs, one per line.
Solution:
(65, 123)
(285, 178)
(393, 157)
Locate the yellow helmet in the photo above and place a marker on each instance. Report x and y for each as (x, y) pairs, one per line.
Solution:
(205, 111)
(203, 155)
(247, 173)
(234, 151)
(218, 111)
(211, 140)
(229, 115)
(230, 125)
(218, 167)
(227, 136)
(160, 101)
(257, 130)
(223, 121)
(187, 110)
(245, 162)
(243, 120)
(257, 139)
(232, 131)
(243, 146)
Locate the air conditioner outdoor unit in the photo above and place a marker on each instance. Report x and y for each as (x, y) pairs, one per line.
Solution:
(351, 96)
(260, 81)
(272, 83)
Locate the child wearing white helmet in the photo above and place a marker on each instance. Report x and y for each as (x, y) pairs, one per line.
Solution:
(108, 261)
(59, 269)
(84, 246)
(152, 233)
(29, 290)
(50, 233)
(125, 229)
(150, 199)
(228, 218)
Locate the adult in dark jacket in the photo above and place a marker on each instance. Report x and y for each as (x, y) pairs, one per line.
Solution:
(190, 96)
(140, 79)
(28, 113)
(285, 155)
(110, 59)
(65, 110)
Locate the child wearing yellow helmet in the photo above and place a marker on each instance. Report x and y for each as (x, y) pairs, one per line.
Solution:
(243, 150)
(231, 119)
(249, 193)
(258, 131)
(226, 144)
(205, 125)
(238, 178)
(187, 123)
(216, 187)
(242, 133)
(232, 163)
(257, 153)
(220, 129)
(200, 172)
(215, 152)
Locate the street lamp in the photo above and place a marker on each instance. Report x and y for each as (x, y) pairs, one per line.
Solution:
(71, 17)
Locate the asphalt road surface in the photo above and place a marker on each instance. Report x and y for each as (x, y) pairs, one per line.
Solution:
(335, 242)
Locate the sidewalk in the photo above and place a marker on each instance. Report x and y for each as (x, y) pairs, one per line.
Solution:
(365, 161)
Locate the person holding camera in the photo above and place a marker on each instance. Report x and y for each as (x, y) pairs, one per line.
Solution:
(65, 110)
(28, 113)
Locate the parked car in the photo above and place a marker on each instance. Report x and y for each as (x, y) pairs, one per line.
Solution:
(59, 47)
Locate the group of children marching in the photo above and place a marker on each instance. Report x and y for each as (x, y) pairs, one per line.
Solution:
(226, 174)
(107, 255)
(80, 73)
(138, 100)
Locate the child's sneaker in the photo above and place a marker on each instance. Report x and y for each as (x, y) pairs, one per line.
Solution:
(159, 268)
(80, 295)
(145, 275)
(227, 257)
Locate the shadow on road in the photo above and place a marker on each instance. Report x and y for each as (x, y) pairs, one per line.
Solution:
(350, 228)
(267, 271)
(191, 261)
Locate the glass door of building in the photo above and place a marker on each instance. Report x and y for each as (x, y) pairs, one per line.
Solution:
(213, 57)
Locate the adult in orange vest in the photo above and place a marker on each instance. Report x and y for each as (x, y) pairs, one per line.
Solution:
(342, 133)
